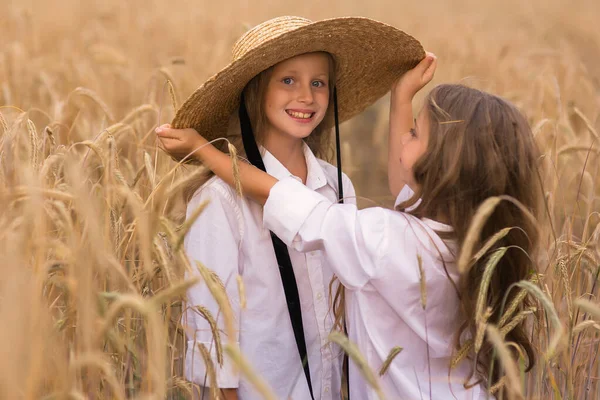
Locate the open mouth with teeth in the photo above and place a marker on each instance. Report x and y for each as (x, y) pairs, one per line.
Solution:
(300, 116)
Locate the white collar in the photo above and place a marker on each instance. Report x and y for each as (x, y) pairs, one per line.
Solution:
(405, 194)
(315, 177)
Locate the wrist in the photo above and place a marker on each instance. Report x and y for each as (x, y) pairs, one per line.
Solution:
(399, 105)
(200, 147)
(399, 98)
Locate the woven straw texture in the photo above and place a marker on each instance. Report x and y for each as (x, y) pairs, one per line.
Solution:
(369, 56)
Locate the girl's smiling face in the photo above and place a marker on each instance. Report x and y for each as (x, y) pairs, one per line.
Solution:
(297, 95)
(414, 144)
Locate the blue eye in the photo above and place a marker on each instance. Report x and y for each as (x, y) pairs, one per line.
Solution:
(318, 84)
(287, 81)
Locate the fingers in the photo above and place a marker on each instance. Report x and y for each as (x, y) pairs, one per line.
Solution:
(164, 143)
(161, 145)
(163, 128)
(168, 149)
(424, 63)
(430, 71)
(165, 131)
(427, 62)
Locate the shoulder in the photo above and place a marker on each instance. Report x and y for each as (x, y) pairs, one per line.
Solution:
(414, 238)
(399, 230)
(215, 187)
(404, 242)
(394, 225)
(415, 233)
(223, 204)
(219, 194)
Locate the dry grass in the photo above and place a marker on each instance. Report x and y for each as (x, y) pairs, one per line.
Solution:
(91, 220)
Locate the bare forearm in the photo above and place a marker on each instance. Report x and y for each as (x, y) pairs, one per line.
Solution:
(401, 121)
(255, 183)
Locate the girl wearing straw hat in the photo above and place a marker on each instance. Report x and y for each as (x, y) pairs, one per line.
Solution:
(273, 102)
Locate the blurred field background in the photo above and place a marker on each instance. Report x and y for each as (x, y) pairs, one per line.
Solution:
(91, 220)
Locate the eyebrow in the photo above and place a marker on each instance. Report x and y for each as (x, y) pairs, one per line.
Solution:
(294, 72)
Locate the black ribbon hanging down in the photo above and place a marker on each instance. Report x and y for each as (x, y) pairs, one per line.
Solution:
(338, 152)
(338, 147)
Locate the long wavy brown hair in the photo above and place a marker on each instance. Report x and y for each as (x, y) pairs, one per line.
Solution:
(481, 146)
(319, 141)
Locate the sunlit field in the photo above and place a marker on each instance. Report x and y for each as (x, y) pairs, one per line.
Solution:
(92, 215)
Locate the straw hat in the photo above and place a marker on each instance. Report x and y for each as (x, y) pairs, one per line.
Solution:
(369, 56)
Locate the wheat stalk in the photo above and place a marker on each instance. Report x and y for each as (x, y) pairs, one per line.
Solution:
(172, 94)
(481, 314)
(3, 124)
(350, 348)
(93, 96)
(551, 311)
(210, 370)
(241, 291)
(483, 212)
(585, 325)
(512, 373)
(206, 314)
(189, 222)
(388, 360)
(422, 282)
(217, 290)
(236, 168)
(33, 140)
(512, 307)
(251, 376)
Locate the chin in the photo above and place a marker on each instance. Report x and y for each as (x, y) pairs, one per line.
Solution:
(303, 135)
(300, 133)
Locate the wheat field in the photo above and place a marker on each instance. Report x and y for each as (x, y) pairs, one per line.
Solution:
(92, 218)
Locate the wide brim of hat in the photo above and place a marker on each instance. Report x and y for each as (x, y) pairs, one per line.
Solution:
(369, 56)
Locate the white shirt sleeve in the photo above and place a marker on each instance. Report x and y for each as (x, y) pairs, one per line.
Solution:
(374, 246)
(213, 240)
(307, 221)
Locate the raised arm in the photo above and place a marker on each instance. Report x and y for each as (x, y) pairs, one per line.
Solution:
(401, 115)
(401, 121)
(182, 143)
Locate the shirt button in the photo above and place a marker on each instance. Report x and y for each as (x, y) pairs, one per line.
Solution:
(319, 296)
(327, 389)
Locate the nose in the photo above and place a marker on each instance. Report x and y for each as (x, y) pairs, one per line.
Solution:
(305, 94)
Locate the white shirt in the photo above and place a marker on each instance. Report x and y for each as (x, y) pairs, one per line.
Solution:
(374, 254)
(229, 238)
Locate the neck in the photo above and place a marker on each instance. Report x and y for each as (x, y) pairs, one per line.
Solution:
(290, 153)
